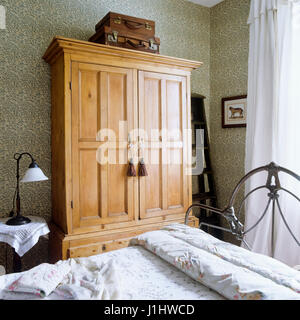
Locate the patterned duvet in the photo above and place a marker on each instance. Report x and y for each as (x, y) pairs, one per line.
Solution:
(232, 271)
(174, 263)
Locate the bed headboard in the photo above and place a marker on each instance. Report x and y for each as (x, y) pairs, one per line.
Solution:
(272, 185)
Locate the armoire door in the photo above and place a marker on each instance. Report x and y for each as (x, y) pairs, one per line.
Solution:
(163, 121)
(103, 111)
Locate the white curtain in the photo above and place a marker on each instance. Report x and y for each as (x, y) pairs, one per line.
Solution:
(273, 122)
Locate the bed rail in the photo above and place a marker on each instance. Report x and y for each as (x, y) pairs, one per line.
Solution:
(236, 228)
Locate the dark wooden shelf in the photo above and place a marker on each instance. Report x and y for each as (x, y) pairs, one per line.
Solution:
(206, 185)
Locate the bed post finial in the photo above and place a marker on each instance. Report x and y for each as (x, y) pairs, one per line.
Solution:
(273, 170)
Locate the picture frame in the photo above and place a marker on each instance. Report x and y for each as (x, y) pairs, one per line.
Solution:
(234, 111)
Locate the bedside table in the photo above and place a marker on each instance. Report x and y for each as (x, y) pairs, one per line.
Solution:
(23, 237)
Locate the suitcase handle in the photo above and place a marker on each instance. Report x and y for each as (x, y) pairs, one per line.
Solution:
(136, 25)
(133, 25)
(135, 45)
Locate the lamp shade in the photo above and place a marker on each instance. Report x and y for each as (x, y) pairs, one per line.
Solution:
(34, 173)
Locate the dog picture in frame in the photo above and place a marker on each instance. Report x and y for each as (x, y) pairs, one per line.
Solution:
(234, 111)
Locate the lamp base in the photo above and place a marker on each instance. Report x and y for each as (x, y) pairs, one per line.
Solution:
(17, 221)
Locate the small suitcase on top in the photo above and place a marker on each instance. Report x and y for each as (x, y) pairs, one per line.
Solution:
(107, 36)
(127, 32)
(127, 25)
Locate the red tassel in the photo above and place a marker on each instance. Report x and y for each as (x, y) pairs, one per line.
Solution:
(131, 170)
(142, 169)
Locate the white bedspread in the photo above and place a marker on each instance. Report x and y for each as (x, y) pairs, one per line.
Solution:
(232, 271)
(174, 263)
(143, 276)
(90, 280)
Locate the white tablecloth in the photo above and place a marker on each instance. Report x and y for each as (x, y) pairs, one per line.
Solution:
(22, 238)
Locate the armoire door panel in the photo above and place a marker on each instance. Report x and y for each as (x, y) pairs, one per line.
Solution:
(117, 190)
(101, 97)
(162, 108)
(153, 185)
(173, 107)
(117, 103)
(89, 176)
(175, 179)
(105, 96)
(88, 104)
(152, 108)
(118, 198)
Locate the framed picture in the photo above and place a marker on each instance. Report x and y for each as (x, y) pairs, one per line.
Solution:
(234, 111)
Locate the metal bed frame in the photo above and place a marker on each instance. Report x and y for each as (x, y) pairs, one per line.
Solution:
(236, 228)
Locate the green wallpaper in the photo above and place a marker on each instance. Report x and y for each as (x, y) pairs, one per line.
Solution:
(184, 30)
(229, 76)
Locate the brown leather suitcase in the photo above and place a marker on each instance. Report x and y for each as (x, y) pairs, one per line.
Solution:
(126, 25)
(106, 35)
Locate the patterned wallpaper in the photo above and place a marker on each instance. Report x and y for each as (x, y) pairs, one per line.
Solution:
(184, 30)
(229, 76)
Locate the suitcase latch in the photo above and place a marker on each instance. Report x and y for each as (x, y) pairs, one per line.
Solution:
(118, 20)
(152, 46)
(147, 26)
(113, 37)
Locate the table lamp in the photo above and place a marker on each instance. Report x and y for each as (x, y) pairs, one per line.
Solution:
(33, 173)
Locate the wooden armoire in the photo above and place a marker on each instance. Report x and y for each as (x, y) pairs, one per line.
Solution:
(101, 96)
